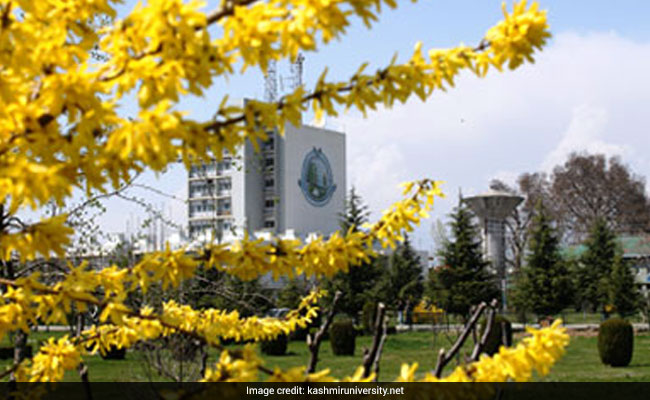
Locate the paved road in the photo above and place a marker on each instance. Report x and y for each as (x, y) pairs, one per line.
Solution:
(517, 327)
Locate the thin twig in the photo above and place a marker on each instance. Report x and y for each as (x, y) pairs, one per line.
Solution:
(375, 366)
(478, 348)
(370, 355)
(227, 10)
(313, 343)
(83, 368)
(444, 358)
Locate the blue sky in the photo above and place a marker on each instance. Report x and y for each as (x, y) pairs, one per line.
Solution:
(589, 91)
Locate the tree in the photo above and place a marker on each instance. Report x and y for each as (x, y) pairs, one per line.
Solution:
(580, 191)
(534, 188)
(596, 266)
(291, 294)
(356, 212)
(624, 293)
(591, 187)
(464, 279)
(357, 284)
(544, 282)
(62, 129)
(403, 278)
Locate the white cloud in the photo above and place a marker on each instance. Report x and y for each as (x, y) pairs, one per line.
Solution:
(584, 134)
(507, 177)
(584, 93)
(376, 174)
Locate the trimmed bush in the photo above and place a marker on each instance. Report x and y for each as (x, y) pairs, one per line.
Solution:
(275, 347)
(7, 353)
(495, 339)
(343, 337)
(616, 342)
(299, 334)
(114, 354)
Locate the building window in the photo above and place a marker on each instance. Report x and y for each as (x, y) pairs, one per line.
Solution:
(269, 182)
(269, 223)
(269, 203)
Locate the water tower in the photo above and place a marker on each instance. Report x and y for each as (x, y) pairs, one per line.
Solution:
(492, 209)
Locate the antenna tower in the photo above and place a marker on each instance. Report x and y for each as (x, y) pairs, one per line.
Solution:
(296, 71)
(271, 82)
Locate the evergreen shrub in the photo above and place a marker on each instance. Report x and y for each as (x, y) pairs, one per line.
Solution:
(343, 337)
(616, 342)
(275, 347)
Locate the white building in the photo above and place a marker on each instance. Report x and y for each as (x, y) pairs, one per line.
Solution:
(296, 183)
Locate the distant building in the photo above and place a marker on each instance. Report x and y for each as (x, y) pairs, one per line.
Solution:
(296, 184)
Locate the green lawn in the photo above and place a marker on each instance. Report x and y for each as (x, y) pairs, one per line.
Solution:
(580, 363)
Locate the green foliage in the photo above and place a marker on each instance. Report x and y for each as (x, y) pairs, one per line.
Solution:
(291, 294)
(214, 288)
(496, 336)
(464, 280)
(544, 284)
(616, 342)
(368, 316)
(402, 279)
(356, 212)
(360, 283)
(275, 347)
(596, 266)
(623, 291)
(343, 337)
(230, 293)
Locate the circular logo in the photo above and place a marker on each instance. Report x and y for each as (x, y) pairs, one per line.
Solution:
(316, 179)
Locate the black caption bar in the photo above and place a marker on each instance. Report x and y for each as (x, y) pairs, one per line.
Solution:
(316, 391)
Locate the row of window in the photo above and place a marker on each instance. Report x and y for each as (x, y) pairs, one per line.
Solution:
(207, 207)
(207, 188)
(211, 169)
(209, 227)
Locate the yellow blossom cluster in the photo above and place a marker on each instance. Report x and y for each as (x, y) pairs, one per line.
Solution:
(537, 352)
(61, 129)
(52, 360)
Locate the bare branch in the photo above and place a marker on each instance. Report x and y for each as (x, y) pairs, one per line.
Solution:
(486, 334)
(227, 10)
(83, 368)
(375, 367)
(313, 343)
(444, 358)
(370, 356)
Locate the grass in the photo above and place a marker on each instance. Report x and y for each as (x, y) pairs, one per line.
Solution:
(580, 363)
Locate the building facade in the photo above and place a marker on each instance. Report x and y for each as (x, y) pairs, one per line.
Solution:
(294, 183)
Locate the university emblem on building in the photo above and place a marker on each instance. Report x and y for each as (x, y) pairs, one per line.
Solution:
(316, 180)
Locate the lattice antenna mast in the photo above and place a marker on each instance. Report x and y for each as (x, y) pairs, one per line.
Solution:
(271, 82)
(296, 72)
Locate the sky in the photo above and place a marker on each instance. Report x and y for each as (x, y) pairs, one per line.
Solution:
(588, 91)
